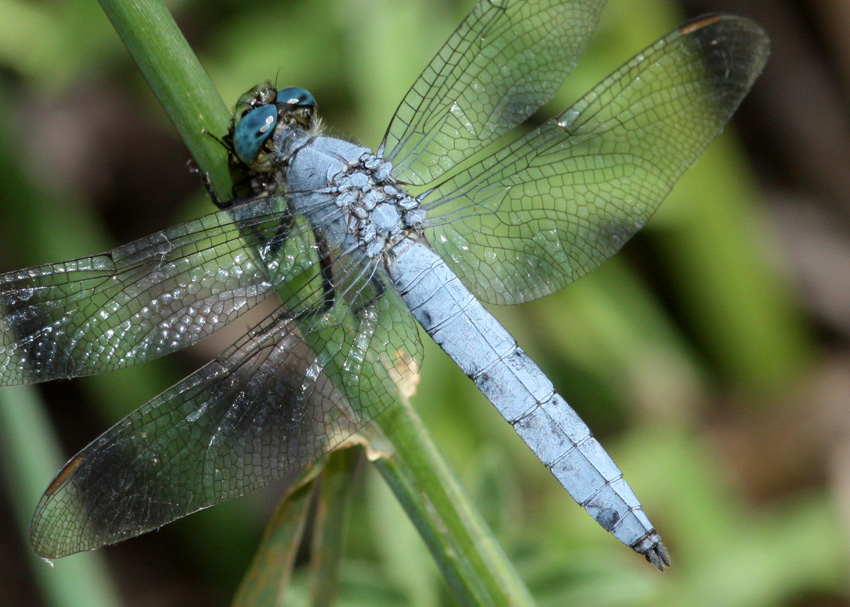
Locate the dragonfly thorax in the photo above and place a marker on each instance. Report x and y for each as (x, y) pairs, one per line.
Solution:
(379, 211)
(348, 192)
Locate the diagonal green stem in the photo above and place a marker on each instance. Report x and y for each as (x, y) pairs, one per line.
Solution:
(471, 560)
(469, 556)
(178, 80)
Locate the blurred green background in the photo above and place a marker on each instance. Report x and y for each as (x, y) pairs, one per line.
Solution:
(711, 357)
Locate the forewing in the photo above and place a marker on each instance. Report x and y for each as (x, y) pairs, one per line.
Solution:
(555, 204)
(292, 388)
(144, 299)
(501, 64)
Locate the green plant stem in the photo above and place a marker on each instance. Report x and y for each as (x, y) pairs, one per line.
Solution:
(469, 556)
(471, 560)
(332, 510)
(267, 579)
(178, 80)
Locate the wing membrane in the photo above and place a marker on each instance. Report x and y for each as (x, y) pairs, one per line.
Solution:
(504, 61)
(146, 298)
(559, 201)
(292, 388)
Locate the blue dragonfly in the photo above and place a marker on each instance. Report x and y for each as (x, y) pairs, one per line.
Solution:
(357, 263)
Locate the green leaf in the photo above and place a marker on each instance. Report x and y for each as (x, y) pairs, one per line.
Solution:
(266, 581)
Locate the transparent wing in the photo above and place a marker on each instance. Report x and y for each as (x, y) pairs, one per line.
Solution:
(292, 388)
(556, 203)
(146, 298)
(501, 64)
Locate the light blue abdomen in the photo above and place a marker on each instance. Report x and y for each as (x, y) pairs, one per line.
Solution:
(521, 392)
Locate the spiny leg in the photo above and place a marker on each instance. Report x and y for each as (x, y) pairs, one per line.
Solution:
(326, 269)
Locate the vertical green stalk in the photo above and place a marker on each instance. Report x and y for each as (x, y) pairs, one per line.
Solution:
(332, 510)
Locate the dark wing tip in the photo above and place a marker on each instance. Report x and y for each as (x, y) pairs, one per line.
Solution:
(732, 52)
(739, 33)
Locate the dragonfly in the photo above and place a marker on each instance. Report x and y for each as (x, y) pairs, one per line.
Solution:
(357, 264)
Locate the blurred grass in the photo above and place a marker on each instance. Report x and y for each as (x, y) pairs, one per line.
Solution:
(642, 368)
(23, 424)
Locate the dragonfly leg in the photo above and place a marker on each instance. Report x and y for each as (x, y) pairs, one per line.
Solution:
(364, 302)
(281, 235)
(207, 182)
(331, 285)
(326, 272)
(326, 268)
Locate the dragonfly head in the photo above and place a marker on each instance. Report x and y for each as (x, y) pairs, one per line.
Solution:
(260, 113)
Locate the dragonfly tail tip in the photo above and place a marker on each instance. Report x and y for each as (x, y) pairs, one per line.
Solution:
(657, 555)
(653, 550)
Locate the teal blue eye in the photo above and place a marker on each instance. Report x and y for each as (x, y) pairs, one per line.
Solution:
(252, 131)
(296, 96)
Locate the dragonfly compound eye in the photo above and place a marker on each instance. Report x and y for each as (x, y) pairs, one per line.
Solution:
(298, 104)
(296, 97)
(252, 131)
